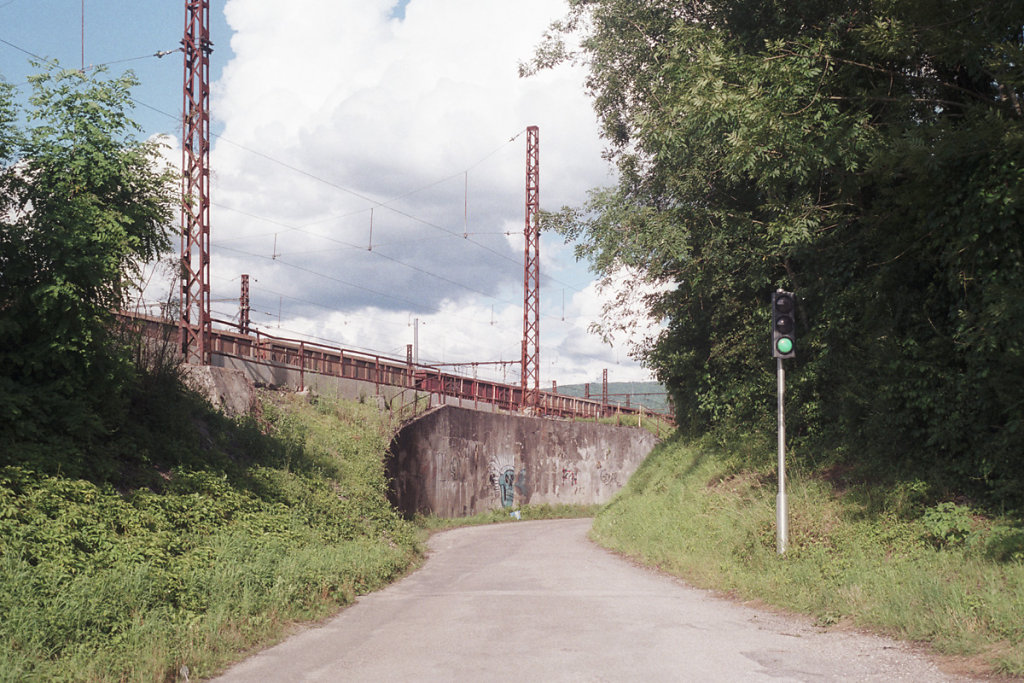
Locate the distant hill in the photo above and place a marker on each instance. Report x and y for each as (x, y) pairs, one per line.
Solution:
(648, 394)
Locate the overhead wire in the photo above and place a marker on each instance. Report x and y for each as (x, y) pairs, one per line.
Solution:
(376, 203)
(413, 304)
(326, 276)
(387, 204)
(257, 292)
(277, 258)
(53, 63)
(292, 228)
(428, 185)
(349, 245)
(359, 195)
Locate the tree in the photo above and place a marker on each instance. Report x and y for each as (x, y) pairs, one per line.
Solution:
(82, 205)
(866, 154)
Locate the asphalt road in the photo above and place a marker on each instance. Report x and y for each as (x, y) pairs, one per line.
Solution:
(537, 601)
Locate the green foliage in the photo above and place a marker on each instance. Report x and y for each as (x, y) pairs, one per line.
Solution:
(865, 155)
(858, 555)
(658, 426)
(192, 560)
(947, 524)
(82, 203)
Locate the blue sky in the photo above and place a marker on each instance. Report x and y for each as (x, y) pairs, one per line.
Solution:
(333, 115)
(124, 34)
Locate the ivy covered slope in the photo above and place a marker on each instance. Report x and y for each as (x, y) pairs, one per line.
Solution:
(865, 154)
(240, 530)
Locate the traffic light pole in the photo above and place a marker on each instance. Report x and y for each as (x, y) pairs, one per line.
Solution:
(781, 515)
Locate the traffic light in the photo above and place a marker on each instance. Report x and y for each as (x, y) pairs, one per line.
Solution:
(783, 325)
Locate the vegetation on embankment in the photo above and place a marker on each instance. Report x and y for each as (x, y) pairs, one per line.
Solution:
(865, 156)
(655, 425)
(891, 556)
(208, 539)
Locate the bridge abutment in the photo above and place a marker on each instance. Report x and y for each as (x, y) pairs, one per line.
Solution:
(455, 462)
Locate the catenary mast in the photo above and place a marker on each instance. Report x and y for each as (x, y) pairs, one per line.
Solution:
(531, 274)
(194, 323)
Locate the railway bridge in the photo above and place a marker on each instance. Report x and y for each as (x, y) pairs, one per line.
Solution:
(473, 447)
(279, 361)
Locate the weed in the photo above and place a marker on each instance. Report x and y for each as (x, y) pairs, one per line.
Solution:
(947, 524)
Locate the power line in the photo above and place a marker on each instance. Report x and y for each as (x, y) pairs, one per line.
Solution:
(325, 276)
(428, 185)
(258, 293)
(359, 195)
(54, 64)
(277, 259)
(349, 245)
(376, 203)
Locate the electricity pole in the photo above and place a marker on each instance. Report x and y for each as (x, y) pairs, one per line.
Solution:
(531, 274)
(194, 324)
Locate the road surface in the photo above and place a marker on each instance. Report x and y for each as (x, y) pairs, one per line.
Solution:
(537, 601)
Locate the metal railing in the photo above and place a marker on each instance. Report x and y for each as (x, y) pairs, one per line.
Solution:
(334, 361)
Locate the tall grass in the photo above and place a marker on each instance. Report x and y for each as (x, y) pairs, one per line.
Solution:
(263, 528)
(888, 560)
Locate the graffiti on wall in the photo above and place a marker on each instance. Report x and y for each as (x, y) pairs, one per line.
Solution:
(451, 469)
(569, 477)
(505, 481)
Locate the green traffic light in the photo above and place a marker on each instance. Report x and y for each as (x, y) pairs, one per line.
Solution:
(784, 345)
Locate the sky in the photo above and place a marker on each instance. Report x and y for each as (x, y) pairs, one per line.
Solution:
(368, 166)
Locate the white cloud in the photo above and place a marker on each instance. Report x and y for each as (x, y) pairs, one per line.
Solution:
(336, 108)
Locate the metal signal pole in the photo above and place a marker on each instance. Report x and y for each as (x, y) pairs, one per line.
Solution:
(783, 346)
(781, 513)
(195, 325)
(531, 274)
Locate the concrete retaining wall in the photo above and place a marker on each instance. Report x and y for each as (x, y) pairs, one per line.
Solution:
(225, 389)
(455, 462)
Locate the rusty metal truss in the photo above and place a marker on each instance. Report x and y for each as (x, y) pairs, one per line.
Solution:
(243, 306)
(531, 274)
(194, 323)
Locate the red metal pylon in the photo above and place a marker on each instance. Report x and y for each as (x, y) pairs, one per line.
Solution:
(243, 306)
(531, 274)
(194, 323)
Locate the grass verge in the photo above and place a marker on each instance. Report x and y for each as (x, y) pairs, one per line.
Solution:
(182, 563)
(432, 524)
(885, 559)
